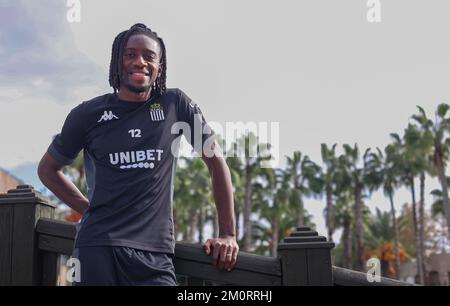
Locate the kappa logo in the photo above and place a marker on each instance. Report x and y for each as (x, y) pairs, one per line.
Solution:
(107, 116)
(195, 107)
(156, 112)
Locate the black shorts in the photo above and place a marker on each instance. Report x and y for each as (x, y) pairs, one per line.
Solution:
(123, 266)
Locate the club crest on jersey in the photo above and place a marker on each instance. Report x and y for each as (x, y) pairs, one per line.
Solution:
(156, 112)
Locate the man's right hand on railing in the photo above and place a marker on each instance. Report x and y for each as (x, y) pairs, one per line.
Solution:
(224, 252)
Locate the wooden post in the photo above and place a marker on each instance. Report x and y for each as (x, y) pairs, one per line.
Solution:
(20, 209)
(306, 259)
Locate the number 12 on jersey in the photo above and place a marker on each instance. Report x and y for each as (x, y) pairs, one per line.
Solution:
(135, 133)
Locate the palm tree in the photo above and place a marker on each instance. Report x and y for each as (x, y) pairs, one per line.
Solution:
(437, 207)
(409, 167)
(251, 154)
(267, 207)
(329, 181)
(437, 213)
(197, 195)
(181, 201)
(390, 168)
(305, 181)
(419, 145)
(438, 131)
(251, 169)
(203, 195)
(274, 204)
(363, 177)
(344, 219)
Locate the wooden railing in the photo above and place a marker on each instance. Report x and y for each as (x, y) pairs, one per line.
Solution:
(31, 241)
(57, 237)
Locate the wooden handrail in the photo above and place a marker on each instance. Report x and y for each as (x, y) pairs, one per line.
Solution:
(190, 259)
(250, 269)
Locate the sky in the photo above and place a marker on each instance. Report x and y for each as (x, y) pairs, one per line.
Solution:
(318, 68)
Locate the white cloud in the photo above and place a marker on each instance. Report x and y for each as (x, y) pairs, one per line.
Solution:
(26, 128)
(39, 52)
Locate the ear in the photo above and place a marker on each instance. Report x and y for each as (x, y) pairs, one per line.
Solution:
(160, 70)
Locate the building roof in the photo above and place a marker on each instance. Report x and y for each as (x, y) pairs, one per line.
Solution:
(11, 175)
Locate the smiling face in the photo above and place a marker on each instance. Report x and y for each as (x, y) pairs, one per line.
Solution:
(141, 66)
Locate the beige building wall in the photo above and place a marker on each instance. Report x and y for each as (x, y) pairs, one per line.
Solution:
(440, 263)
(7, 181)
(437, 266)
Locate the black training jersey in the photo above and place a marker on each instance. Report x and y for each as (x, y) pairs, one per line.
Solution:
(128, 150)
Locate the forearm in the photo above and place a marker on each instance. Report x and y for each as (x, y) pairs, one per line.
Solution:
(223, 196)
(64, 189)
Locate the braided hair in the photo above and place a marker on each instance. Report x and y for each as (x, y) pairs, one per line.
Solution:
(115, 68)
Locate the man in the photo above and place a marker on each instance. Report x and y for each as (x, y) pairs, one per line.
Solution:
(126, 233)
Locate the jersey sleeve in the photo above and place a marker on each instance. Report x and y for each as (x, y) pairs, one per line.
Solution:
(199, 131)
(68, 143)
